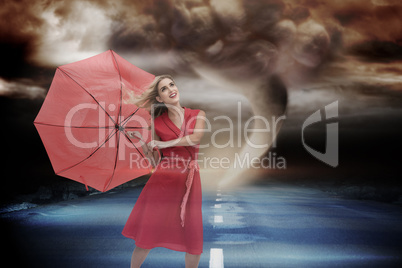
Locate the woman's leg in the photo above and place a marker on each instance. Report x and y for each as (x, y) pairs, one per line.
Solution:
(192, 261)
(138, 257)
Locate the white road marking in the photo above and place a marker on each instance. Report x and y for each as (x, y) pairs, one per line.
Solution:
(216, 258)
(216, 254)
(218, 219)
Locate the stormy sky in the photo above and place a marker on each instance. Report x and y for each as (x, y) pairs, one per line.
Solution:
(279, 57)
(259, 36)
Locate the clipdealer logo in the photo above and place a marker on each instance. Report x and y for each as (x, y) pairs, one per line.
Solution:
(331, 155)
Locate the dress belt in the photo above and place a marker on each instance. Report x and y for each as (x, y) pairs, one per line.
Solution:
(192, 167)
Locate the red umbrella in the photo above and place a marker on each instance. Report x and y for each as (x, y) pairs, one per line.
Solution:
(85, 116)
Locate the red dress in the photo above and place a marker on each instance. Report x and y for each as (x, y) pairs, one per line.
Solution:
(168, 210)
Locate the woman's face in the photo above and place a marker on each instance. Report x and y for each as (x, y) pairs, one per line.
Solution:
(168, 92)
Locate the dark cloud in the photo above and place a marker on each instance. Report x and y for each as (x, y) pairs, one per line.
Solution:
(311, 43)
(162, 25)
(244, 33)
(141, 25)
(255, 36)
(363, 20)
(377, 51)
(298, 13)
(136, 33)
(194, 28)
(247, 59)
(391, 70)
(262, 15)
(18, 38)
(230, 16)
(20, 77)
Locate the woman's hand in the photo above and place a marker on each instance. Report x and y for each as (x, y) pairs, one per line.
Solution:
(152, 144)
(134, 134)
(156, 144)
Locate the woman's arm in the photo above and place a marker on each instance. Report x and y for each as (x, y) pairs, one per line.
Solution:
(189, 140)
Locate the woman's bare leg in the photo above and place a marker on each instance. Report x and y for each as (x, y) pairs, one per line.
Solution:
(138, 257)
(192, 261)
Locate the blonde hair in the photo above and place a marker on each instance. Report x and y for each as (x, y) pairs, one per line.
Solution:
(148, 99)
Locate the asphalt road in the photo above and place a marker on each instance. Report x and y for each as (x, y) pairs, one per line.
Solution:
(269, 225)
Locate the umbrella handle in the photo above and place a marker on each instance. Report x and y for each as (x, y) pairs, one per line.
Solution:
(159, 159)
(159, 154)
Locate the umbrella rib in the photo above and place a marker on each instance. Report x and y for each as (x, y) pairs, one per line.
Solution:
(88, 94)
(121, 88)
(118, 121)
(115, 162)
(137, 128)
(125, 134)
(129, 117)
(53, 125)
(117, 154)
(106, 140)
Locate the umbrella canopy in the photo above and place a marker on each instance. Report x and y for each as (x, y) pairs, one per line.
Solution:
(85, 116)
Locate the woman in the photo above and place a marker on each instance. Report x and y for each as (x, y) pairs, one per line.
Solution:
(168, 211)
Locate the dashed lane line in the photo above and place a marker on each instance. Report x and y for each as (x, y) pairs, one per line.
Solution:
(216, 260)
